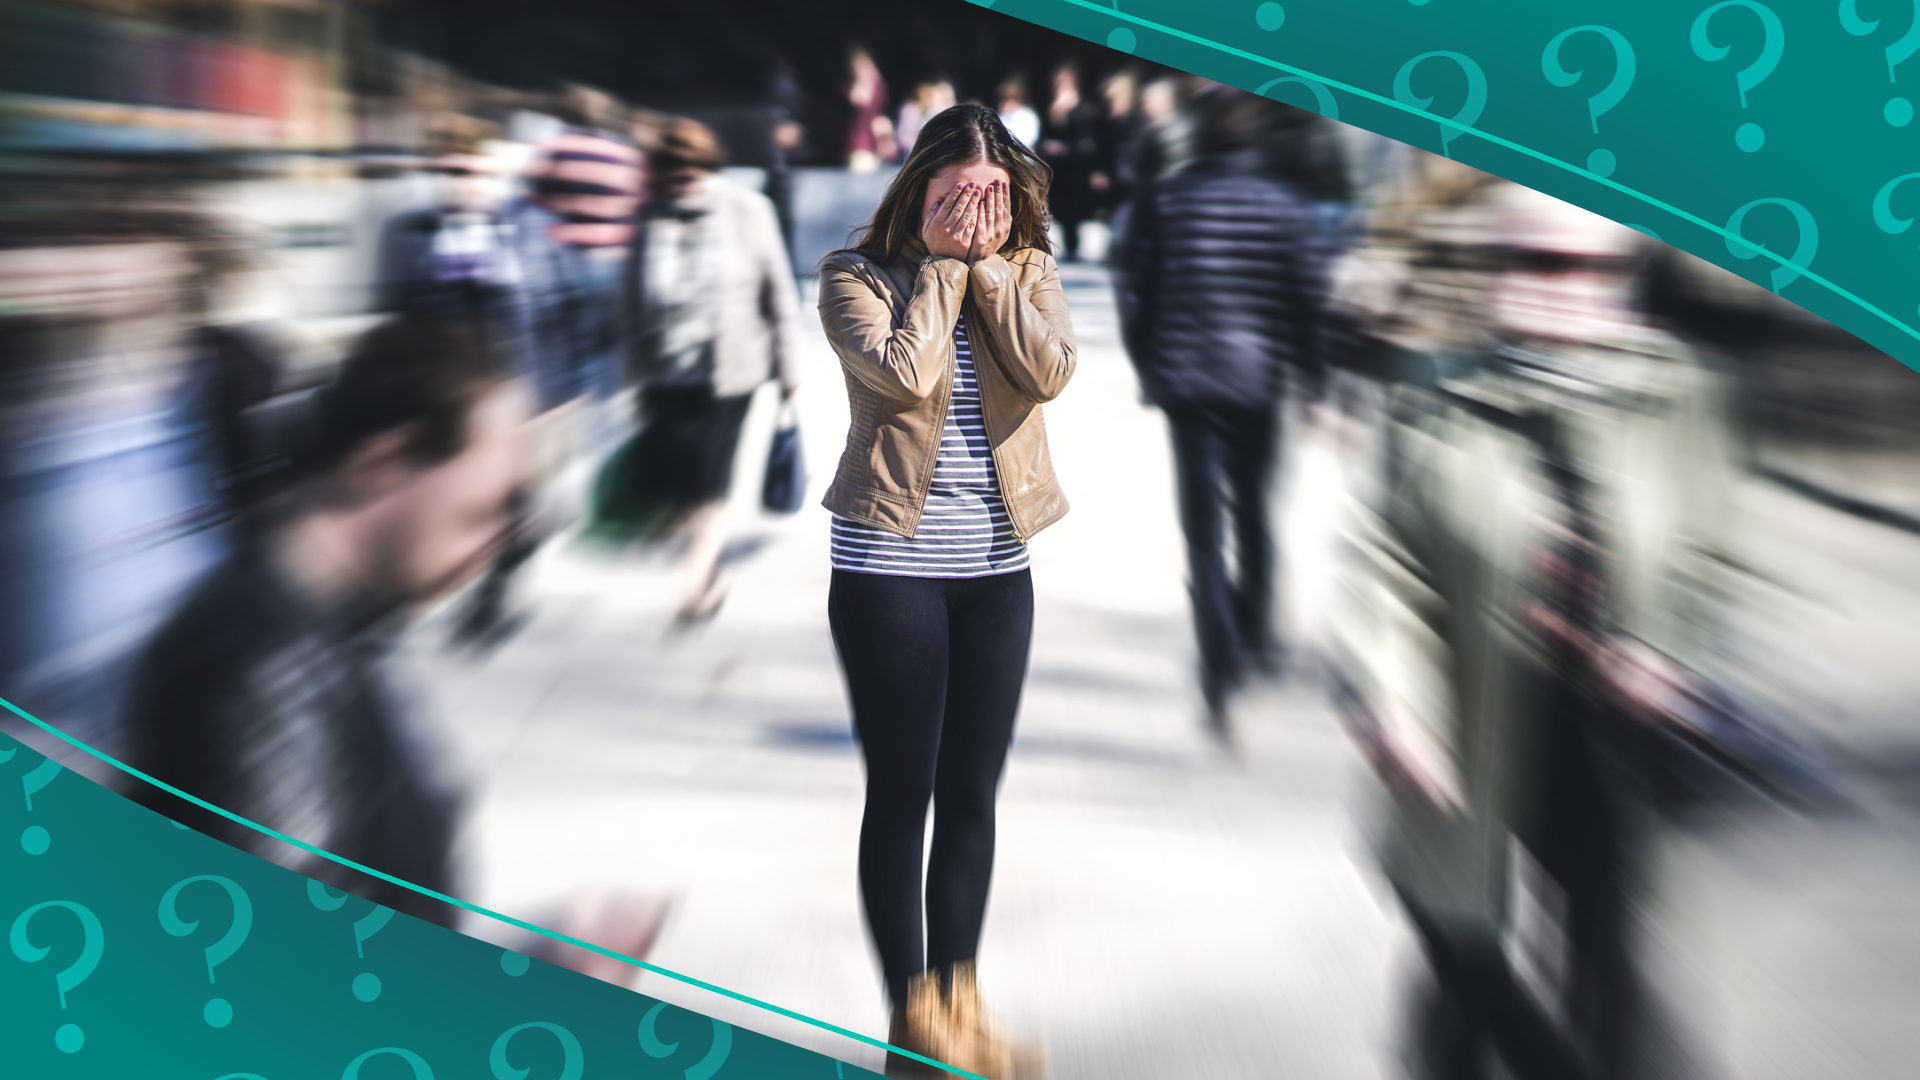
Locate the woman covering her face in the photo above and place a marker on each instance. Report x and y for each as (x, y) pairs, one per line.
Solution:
(952, 329)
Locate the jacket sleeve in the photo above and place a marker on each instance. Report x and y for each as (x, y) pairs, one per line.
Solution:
(1137, 278)
(1310, 325)
(1032, 332)
(778, 304)
(903, 363)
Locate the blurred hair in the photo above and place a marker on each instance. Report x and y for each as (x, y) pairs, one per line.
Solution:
(1236, 120)
(422, 372)
(962, 135)
(647, 129)
(688, 144)
(595, 108)
(456, 134)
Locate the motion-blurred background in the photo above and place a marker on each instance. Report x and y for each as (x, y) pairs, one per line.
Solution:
(201, 201)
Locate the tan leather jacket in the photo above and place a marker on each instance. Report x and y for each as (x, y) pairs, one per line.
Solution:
(893, 329)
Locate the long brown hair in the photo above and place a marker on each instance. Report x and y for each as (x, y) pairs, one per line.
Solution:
(961, 135)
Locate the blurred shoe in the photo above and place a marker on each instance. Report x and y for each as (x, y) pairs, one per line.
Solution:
(1218, 693)
(1269, 661)
(700, 609)
(921, 1027)
(699, 612)
(979, 1046)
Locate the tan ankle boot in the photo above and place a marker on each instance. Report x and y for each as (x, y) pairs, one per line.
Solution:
(923, 1027)
(978, 1045)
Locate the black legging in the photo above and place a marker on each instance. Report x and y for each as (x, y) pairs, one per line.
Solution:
(934, 669)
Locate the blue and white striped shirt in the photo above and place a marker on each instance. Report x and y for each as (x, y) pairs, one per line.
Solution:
(964, 529)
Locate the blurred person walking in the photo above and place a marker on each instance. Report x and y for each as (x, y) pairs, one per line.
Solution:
(1015, 114)
(1155, 142)
(1069, 144)
(713, 313)
(1113, 122)
(566, 241)
(952, 330)
(929, 100)
(1543, 579)
(1219, 304)
(870, 128)
(269, 693)
(789, 143)
(451, 260)
(120, 430)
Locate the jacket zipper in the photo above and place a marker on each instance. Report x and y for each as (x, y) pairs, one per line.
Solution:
(999, 474)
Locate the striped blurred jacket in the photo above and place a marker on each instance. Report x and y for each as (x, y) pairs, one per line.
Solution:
(594, 183)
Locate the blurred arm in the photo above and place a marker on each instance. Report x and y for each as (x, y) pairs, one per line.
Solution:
(1032, 332)
(779, 306)
(903, 363)
(1137, 281)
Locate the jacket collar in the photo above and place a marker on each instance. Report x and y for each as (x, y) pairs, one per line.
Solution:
(1249, 160)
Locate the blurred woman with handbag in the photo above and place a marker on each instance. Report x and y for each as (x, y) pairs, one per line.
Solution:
(713, 307)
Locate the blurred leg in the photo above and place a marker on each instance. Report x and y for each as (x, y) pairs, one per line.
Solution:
(991, 627)
(1582, 847)
(891, 634)
(1198, 453)
(1488, 1007)
(702, 586)
(1254, 441)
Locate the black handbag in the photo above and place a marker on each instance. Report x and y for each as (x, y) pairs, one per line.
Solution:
(785, 484)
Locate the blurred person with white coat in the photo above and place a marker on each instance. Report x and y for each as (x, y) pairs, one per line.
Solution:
(713, 316)
(1531, 593)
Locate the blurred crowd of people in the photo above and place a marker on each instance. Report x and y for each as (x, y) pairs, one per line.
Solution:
(212, 543)
(1532, 638)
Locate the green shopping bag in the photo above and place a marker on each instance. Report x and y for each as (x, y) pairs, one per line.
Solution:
(616, 515)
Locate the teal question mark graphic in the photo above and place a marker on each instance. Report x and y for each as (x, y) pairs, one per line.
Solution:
(1898, 111)
(420, 1069)
(35, 840)
(1749, 137)
(218, 1012)
(1883, 206)
(573, 1065)
(69, 1038)
(366, 985)
(1323, 102)
(700, 1070)
(1803, 249)
(1600, 162)
(241, 1076)
(1469, 112)
(515, 964)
